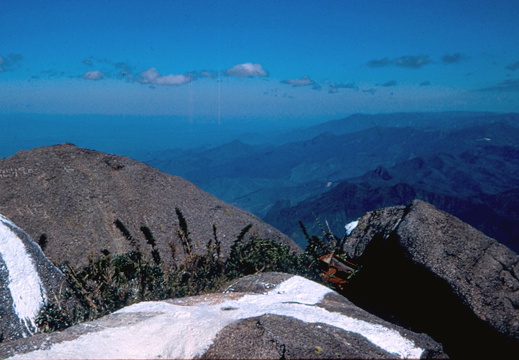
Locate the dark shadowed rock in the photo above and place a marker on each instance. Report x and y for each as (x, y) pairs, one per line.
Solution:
(72, 196)
(296, 318)
(28, 281)
(431, 272)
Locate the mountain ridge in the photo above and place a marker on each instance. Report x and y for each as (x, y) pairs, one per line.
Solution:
(472, 186)
(295, 171)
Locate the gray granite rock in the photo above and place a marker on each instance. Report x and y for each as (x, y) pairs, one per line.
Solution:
(73, 196)
(430, 271)
(294, 318)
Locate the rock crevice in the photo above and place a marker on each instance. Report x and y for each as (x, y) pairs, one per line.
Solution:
(436, 274)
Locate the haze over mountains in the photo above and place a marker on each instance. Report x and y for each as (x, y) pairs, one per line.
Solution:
(133, 136)
(67, 198)
(463, 162)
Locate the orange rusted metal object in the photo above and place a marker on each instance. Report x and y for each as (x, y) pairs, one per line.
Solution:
(336, 270)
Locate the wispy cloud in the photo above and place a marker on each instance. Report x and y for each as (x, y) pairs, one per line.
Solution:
(9, 61)
(514, 66)
(405, 61)
(94, 75)
(334, 87)
(124, 67)
(52, 73)
(125, 71)
(375, 63)
(246, 70)
(304, 81)
(389, 83)
(507, 86)
(209, 74)
(112, 69)
(153, 77)
(453, 58)
(412, 62)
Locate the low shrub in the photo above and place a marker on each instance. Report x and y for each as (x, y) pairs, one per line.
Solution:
(114, 281)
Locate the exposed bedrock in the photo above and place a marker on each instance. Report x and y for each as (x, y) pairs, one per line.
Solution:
(430, 272)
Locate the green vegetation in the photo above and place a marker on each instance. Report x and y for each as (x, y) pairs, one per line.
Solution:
(115, 281)
(329, 243)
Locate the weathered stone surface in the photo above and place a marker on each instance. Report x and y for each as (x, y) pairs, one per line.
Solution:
(260, 283)
(430, 271)
(74, 195)
(28, 281)
(295, 318)
(281, 337)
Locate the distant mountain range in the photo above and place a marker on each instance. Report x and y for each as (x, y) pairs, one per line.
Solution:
(481, 187)
(454, 156)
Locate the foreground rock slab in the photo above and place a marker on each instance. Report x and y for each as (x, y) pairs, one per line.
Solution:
(272, 315)
(428, 270)
(28, 281)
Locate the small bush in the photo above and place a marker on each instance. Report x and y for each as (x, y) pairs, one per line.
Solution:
(112, 281)
(52, 318)
(260, 255)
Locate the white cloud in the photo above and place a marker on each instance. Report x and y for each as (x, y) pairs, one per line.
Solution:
(94, 75)
(405, 61)
(247, 70)
(152, 76)
(334, 87)
(208, 74)
(304, 81)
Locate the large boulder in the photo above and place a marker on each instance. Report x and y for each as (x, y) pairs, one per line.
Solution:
(429, 271)
(28, 281)
(272, 316)
(71, 197)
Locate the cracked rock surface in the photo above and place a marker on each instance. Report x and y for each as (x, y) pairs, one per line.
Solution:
(430, 271)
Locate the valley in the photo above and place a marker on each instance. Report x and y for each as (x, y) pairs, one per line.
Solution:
(464, 163)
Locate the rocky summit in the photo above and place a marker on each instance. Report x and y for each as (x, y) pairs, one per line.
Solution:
(271, 315)
(424, 284)
(431, 272)
(28, 281)
(68, 198)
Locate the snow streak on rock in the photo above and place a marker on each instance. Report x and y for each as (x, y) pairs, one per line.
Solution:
(350, 227)
(167, 330)
(24, 284)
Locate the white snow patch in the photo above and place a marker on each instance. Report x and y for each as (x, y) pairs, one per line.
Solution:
(24, 284)
(178, 331)
(350, 227)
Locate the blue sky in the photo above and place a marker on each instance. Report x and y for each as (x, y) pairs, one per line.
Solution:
(267, 60)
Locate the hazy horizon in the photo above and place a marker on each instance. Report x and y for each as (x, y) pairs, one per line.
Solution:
(140, 136)
(285, 61)
(203, 72)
